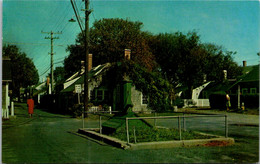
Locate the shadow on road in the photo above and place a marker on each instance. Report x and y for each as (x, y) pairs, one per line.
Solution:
(40, 115)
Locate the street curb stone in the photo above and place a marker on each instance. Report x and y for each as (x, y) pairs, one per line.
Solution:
(220, 141)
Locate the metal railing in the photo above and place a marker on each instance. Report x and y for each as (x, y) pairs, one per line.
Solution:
(100, 117)
(174, 117)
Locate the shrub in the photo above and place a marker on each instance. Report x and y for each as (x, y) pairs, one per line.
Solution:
(178, 102)
(76, 110)
(218, 101)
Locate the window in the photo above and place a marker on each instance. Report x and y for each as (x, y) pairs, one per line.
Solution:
(118, 93)
(144, 99)
(244, 91)
(106, 95)
(99, 95)
(253, 90)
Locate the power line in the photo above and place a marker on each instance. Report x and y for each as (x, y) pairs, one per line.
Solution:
(61, 19)
(45, 71)
(57, 7)
(52, 38)
(58, 62)
(35, 44)
(77, 15)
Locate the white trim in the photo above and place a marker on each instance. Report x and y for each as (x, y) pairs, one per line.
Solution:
(67, 84)
(72, 77)
(142, 99)
(196, 92)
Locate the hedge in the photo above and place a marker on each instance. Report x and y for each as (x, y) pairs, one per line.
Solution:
(218, 101)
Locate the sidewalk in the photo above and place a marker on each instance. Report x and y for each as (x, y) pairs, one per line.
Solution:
(233, 118)
(21, 116)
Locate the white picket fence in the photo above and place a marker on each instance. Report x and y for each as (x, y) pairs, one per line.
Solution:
(196, 103)
(98, 108)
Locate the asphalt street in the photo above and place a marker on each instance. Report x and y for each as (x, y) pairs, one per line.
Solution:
(52, 138)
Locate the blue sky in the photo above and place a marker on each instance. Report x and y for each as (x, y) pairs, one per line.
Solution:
(231, 24)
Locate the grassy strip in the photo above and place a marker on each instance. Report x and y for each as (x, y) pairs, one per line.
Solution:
(145, 134)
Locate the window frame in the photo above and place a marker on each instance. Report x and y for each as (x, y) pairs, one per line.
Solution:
(253, 89)
(243, 91)
(100, 95)
(144, 99)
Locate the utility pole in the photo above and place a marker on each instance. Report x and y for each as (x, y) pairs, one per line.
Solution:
(86, 40)
(238, 96)
(51, 38)
(87, 12)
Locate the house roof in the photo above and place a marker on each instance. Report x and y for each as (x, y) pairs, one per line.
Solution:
(40, 86)
(219, 87)
(251, 73)
(92, 73)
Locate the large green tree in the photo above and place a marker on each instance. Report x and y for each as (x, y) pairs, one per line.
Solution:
(218, 59)
(59, 78)
(24, 72)
(185, 60)
(108, 39)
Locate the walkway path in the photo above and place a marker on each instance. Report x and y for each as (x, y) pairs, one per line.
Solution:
(233, 118)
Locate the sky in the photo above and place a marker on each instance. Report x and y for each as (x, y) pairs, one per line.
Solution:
(234, 25)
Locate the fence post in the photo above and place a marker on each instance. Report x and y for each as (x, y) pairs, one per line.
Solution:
(179, 125)
(154, 119)
(183, 119)
(226, 126)
(134, 134)
(100, 125)
(12, 108)
(83, 120)
(127, 132)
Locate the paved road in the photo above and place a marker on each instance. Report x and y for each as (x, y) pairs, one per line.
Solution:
(48, 138)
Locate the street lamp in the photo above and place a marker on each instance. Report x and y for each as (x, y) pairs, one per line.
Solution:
(72, 20)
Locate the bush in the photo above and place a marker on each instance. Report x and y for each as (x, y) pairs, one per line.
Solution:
(178, 102)
(251, 101)
(218, 101)
(76, 110)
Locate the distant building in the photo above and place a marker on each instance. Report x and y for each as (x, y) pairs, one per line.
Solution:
(6, 80)
(244, 89)
(100, 94)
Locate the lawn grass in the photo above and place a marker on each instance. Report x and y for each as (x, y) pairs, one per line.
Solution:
(21, 116)
(146, 134)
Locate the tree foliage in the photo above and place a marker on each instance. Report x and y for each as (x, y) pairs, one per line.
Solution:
(108, 40)
(59, 78)
(152, 84)
(24, 72)
(180, 58)
(185, 60)
(216, 60)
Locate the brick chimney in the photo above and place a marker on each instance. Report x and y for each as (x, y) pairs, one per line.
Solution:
(89, 61)
(244, 63)
(127, 54)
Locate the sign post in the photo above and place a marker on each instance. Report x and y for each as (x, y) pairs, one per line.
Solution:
(78, 91)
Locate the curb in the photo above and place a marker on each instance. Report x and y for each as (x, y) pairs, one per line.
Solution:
(183, 143)
(107, 139)
(218, 141)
